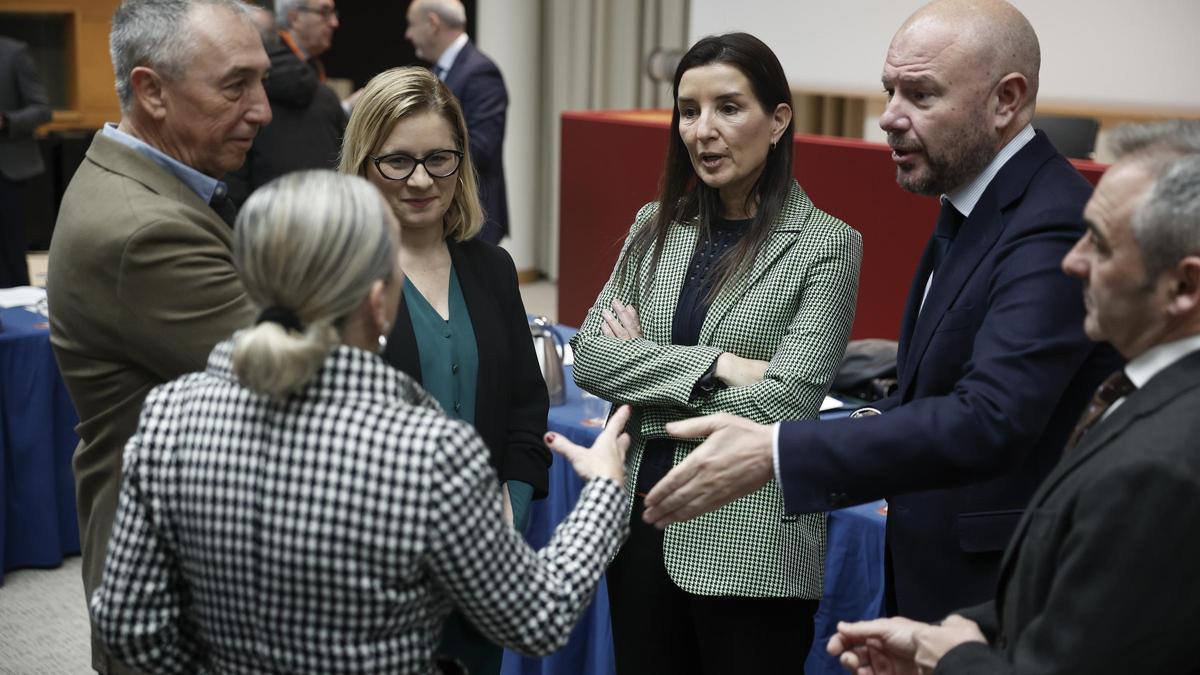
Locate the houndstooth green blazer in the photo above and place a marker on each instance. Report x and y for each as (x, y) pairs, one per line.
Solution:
(794, 309)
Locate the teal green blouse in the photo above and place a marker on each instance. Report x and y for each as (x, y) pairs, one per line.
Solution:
(449, 361)
(448, 354)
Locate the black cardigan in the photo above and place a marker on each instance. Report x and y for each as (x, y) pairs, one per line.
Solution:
(511, 403)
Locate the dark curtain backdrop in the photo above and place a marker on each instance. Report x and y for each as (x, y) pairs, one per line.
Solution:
(370, 38)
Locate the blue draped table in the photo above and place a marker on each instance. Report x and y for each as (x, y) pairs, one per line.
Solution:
(38, 525)
(853, 569)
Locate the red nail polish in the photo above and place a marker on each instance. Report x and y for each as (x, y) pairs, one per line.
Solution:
(549, 438)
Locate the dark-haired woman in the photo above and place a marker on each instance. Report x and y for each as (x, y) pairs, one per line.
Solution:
(732, 293)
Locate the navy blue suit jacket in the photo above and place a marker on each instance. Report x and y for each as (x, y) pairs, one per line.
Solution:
(993, 376)
(477, 84)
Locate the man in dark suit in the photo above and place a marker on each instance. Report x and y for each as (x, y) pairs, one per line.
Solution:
(437, 30)
(993, 364)
(1100, 575)
(23, 107)
(141, 272)
(308, 120)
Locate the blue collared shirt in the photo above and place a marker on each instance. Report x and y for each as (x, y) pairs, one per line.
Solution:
(203, 185)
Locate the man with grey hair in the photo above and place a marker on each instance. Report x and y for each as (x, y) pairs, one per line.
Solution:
(308, 119)
(141, 273)
(993, 365)
(1099, 577)
(437, 29)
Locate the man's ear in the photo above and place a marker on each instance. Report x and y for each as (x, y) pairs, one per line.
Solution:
(148, 92)
(1010, 96)
(1185, 289)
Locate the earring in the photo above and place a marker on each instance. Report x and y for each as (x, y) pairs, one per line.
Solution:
(773, 146)
(383, 339)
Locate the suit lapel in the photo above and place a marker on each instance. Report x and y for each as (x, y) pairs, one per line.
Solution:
(1164, 387)
(975, 239)
(125, 161)
(668, 281)
(796, 211)
(912, 308)
(455, 73)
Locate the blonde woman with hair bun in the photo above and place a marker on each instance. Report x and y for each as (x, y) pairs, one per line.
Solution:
(461, 331)
(302, 506)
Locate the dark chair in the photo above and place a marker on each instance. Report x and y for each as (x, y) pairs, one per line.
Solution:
(1073, 136)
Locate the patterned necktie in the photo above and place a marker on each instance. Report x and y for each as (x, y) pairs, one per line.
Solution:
(948, 222)
(224, 206)
(1116, 387)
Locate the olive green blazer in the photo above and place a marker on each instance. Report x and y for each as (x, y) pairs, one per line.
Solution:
(141, 286)
(794, 309)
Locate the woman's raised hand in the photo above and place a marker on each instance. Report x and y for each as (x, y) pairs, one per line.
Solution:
(606, 457)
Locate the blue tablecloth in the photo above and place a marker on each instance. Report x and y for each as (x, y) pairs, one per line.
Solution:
(853, 570)
(38, 524)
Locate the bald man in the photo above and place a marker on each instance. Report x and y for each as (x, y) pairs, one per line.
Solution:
(437, 30)
(1100, 576)
(994, 367)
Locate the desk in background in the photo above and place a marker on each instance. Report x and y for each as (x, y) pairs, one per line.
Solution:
(853, 571)
(38, 525)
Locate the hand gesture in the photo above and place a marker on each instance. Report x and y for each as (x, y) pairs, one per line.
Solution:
(734, 461)
(879, 647)
(606, 457)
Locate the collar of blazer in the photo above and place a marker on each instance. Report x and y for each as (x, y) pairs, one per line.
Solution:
(125, 161)
(1164, 387)
(677, 253)
(979, 233)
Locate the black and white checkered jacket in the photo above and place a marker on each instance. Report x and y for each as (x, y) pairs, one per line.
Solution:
(328, 533)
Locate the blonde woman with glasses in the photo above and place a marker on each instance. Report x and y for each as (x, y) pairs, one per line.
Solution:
(461, 330)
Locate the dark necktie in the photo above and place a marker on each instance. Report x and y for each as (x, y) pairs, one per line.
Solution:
(1117, 386)
(948, 222)
(224, 206)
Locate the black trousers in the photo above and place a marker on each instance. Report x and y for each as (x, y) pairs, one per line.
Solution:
(13, 239)
(660, 629)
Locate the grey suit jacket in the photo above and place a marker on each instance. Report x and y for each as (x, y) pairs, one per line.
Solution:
(142, 285)
(24, 106)
(1100, 576)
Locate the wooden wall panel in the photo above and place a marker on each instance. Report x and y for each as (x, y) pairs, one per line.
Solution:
(93, 99)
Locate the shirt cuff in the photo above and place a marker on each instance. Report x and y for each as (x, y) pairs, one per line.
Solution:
(775, 452)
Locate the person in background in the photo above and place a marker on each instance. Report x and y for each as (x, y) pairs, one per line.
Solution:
(461, 331)
(733, 293)
(1100, 575)
(993, 365)
(23, 107)
(437, 29)
(309, 121)
(302, 507)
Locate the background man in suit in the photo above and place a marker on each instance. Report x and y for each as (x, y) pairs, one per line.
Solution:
(1100, 576)
(141, 273)
(993, 365)
(436, 29)
(23, 107)
(308, 120)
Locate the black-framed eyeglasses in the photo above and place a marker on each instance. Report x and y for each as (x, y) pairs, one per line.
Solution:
(399, 166)
(325, 13)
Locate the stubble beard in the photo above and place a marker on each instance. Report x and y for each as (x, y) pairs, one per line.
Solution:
(966, 153)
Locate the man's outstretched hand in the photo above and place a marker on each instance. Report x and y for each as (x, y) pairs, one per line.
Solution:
(735, 460)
